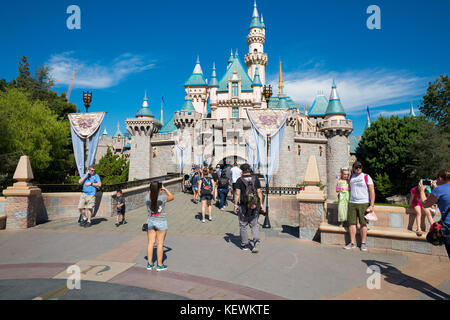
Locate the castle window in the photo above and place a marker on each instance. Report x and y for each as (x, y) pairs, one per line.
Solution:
(255, 51)
(289, 148)
(234, 91)
(299, 149)
(235, 113)
(320, 150)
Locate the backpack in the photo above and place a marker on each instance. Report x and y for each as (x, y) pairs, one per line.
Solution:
(223, 182)
(250, 199)
(206, 186)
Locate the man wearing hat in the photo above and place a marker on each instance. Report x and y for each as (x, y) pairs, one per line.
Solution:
(250, 199)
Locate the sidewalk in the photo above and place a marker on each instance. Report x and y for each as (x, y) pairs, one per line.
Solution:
(204, 262)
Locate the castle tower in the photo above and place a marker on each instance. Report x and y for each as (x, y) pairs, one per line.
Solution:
(337, 129)
(141, 128)
(256, 58)
(213, 85)
(257, 90)
(197, 88)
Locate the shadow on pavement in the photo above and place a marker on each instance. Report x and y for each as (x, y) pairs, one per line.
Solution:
(395, 276)
(95, 221)
(236, 240)
(165, 250)
(293, 231)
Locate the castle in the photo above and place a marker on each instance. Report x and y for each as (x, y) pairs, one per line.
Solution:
(221, 136)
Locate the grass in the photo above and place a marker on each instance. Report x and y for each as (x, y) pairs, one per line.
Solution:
(386, 204)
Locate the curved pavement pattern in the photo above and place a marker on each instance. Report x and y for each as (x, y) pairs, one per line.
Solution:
(204, 262)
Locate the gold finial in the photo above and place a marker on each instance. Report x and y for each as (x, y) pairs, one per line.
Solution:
(280, 82)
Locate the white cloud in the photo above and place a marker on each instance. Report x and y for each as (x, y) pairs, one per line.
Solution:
(357, 89)
(95, 75)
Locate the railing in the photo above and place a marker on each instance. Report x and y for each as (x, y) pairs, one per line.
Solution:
(284, 191)
(49, 188)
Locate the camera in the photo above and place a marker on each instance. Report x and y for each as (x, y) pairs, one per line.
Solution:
(426, 182)
(159, 184)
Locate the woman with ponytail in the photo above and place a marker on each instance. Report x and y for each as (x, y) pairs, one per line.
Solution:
(157, 222)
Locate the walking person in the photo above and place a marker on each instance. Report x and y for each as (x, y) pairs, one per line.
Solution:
(195, 178)
(156, 201)
(362, 199)
(223, 188)
(342, 188)
(91, 182)
(415, 203)
(235, 175)
(247, 205)
(440, 196)
(215, 177)
(120, 207)
(206, 185)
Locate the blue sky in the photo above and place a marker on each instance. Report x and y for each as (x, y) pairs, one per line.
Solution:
(127, 47)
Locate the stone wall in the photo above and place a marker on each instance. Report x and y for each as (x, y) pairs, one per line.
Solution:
(337, 157)
(53, 206)
(140, 157)
(283, 211)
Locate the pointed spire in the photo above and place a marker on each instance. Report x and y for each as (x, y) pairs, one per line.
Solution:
(411, 111)
(368, 119)
(280, 82)
(118, 133)
(256, 22)
(214, 82)
(334, 104)
(145, 103)
(256, 79)
(262, 21)
(236, 54)
(306, 109)
(161, 119)
(105, 133)
(198, 67)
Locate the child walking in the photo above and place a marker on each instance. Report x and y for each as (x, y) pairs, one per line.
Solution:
(120, 207)
(342, 188)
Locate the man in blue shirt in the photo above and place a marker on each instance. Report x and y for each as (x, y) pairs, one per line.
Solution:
(91, 181)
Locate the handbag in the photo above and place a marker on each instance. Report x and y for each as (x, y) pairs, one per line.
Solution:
(371, 216)
(434, 235)
(145, 227)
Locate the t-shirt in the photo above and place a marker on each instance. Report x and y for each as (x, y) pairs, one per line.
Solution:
(161, 204)
(228, 172)
(235, 174)
(359, 192)
(215, 176)
(91, 190)
(241, 186)
(120, 201)
(442, 193)
(195, 178)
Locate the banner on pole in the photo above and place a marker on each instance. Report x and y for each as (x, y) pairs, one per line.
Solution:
(267, 121)
(86, 124)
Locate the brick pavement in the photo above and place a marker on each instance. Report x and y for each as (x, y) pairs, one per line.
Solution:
(205, 261)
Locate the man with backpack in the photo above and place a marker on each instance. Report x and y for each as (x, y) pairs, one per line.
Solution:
(223, 188)
(206, 185)
(249, 195)
(362, 200)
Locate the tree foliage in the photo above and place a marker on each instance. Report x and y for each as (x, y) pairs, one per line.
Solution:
(31, 128)
(384, 149)
(112, 168)
(436, 102)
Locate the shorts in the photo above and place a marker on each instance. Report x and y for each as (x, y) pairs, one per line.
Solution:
(157, 223)
(207, 197)
(86, 201)
(195, 188)
(357, 211)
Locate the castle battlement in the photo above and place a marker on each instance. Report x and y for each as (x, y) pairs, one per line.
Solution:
(336, 127)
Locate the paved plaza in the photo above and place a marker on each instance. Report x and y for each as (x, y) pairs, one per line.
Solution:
(204, 262)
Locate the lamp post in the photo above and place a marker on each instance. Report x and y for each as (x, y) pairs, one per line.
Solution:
(87, 99)
(267, 92)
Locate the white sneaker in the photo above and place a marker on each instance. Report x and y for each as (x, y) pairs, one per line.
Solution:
(350, 246)
(203, 220)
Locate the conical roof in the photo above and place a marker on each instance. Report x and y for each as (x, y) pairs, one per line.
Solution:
(256, 79)
(334, 103)
(411, 111)
(214, 82)
(246, 82)
(188, 106)
(319, 106)
(196, 78)
(168, 127)
(118, 132)
(145, 110)
(256, 21)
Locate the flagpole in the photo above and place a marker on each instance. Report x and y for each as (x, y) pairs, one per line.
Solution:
(266, 224)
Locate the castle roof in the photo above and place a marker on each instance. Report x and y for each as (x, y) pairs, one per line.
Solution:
(117, 133)
(168, 127)
(319, 106)
(334, 103)
(188, 106)
(354, 142)
(197, 78)
(256, 79)
(274, 103)
(236, 65)
(145, 110)
(214, 82)
(256, 21)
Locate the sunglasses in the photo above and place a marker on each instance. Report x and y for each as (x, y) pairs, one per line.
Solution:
(358, 167)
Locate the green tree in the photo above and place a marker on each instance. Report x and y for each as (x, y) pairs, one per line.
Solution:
(39, 88)
(429, 152)
(112, 168)
(385, 146)
(383, 186)
(436, 102)
(31, 128)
